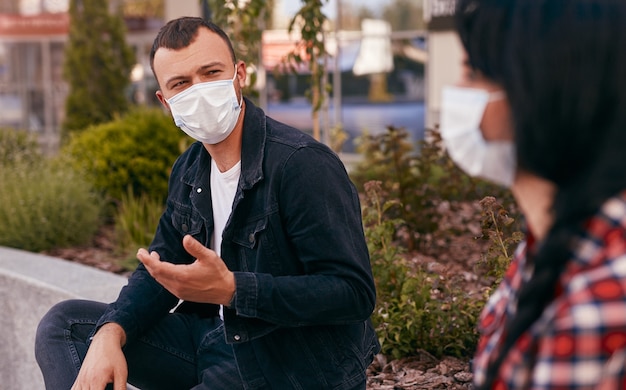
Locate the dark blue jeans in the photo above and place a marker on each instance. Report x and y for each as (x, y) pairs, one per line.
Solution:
(182, 351)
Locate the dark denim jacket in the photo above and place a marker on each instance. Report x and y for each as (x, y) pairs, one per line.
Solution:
(304, 287)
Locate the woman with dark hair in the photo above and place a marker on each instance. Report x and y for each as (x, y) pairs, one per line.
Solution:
(541, 108)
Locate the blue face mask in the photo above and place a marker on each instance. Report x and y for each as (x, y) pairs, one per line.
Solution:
(462, 110)
(207, 112)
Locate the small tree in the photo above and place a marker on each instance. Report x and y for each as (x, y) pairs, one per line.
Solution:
(244, 21)
(311, 21)
(97, 65)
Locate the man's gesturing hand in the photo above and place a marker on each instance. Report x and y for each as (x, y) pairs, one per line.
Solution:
(206, 280)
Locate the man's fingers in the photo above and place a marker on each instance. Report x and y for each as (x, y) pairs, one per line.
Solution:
(157, 268)
(194, 247)
(148, 259)
(120, 381)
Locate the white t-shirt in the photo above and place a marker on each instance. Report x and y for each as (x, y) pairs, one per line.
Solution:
(223, 189)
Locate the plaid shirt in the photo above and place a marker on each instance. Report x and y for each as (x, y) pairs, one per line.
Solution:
(579, 342)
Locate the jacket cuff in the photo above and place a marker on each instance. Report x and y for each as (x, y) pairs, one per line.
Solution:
(244, 300)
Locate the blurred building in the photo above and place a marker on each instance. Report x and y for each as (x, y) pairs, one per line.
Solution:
(33, 34)
(32, 91)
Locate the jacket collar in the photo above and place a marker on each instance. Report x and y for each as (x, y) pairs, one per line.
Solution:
(253, 145)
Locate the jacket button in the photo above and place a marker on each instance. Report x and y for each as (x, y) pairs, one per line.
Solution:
(251, 238)
(237, 337)
(199, 190)
(185, 227)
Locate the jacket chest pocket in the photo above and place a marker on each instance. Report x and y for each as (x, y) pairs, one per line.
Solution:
(186, 220)
(254, 244)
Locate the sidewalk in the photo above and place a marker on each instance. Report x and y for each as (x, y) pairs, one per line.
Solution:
(29, 285)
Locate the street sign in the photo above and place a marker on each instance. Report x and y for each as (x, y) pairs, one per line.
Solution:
(439, 14)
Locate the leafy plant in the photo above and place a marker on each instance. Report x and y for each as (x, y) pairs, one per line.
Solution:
(404, 189)
(244, 22)
(136, 151)
(419, 176)
(135, 222)
(97, 65)
(416, 309)
(311, 50)
(502, 232)
(45, 204)
(18, 146)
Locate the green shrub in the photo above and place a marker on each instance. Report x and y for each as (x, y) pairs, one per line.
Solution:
(419, 177)
(415, 309)
(135, 151)
(503, 234)
(18, 146)
(135, 221)
(402, 189)
(44, 205)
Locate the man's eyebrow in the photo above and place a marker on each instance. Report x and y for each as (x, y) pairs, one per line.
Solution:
(172, 79)
(210, 65)
(201, 69)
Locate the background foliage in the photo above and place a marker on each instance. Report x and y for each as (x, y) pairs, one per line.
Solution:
(419, 178)
(135, 221)
(402, 188)
(135, 151)
(97, 65)
(43, 203)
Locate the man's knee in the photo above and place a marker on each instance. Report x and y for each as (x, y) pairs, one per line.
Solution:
(58, 322)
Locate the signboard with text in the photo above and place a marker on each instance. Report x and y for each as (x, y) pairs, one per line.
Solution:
(42, 24)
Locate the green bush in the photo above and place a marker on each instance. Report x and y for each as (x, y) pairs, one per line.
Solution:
(402, 189)
(419, 177)
(45, 204)
(415, 309)
(135, 221)
(133, 152)
(18, 146)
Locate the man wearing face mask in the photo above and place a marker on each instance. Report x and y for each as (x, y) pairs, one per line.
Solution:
(258, 275)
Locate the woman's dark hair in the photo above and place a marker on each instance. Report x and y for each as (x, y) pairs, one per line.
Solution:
(181, 32)
(562, 64)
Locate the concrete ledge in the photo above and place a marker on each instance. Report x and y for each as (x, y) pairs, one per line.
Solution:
(29, 285)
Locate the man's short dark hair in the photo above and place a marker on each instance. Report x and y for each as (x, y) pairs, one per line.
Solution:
(181, 32)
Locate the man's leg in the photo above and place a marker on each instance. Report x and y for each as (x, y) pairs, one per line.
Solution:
(165, 358)
(60, 343)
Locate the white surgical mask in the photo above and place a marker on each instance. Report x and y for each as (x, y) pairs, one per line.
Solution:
(462, 111)
(207, 112)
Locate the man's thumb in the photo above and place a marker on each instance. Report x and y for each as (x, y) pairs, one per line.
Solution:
(193, 246)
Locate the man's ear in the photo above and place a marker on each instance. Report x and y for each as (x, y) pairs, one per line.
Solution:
(241, 74)
(161, 98)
